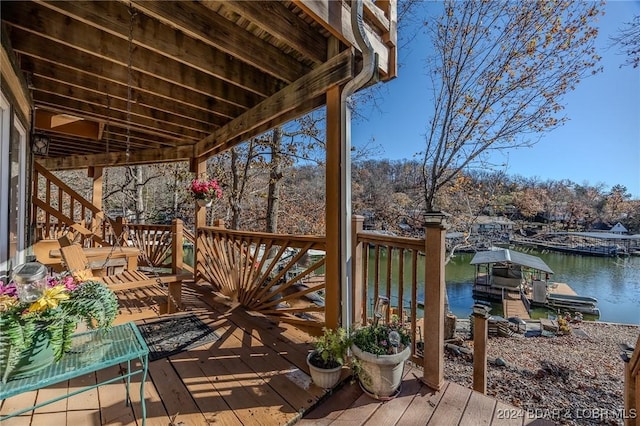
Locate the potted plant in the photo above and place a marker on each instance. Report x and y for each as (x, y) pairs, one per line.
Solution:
(37, 321)
(329, 355)
(380, 351)
(204, 191)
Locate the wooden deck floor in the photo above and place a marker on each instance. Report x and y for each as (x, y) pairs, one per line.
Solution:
(255, 373)
(416, 404)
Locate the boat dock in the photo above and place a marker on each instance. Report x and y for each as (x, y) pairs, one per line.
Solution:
(519, 280)
(562, 288)
(513, 306)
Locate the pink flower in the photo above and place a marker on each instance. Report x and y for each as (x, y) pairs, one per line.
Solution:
(69, 283)
(8, 289)
(205, 189)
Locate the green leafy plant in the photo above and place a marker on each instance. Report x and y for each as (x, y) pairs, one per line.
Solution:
(331, 348)
(382, 338)
(63, 304)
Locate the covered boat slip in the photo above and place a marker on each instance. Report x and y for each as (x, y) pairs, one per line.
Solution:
(519, 280)
(504, 271)
(508, 264)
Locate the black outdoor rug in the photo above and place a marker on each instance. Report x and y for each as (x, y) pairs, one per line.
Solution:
(172, 335)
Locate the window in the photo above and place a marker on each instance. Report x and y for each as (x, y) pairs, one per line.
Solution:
(17, 192)
(5, 123)
(13, 188)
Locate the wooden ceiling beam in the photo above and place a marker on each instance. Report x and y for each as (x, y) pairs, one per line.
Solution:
(109, 84)
(113, 17)
(276, 19)
(275, 121)
(200, 23)
(337, 70)
(118, 137)
(192, 119)
(45, 42)
(335, 16)
(145, 156)
(82, 128)
(96, 112)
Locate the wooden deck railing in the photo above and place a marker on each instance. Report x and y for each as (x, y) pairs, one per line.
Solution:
(409, 273)
(161, 246)
(280, 276)
(59, 209)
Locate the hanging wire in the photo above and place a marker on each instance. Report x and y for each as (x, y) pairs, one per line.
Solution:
(132, 15)
(107, 136)
(120, 241)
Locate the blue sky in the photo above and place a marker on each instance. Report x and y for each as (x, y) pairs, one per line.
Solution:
(599, 144)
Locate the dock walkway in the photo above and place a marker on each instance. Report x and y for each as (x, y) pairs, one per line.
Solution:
(512, 306)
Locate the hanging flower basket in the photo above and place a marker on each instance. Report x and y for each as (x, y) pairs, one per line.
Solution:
(205, 191)
(204, 202)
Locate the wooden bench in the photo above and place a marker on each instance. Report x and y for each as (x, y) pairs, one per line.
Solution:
(77, 264)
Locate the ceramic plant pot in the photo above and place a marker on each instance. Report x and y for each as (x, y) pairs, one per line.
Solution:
(325, 378)
(380, 375)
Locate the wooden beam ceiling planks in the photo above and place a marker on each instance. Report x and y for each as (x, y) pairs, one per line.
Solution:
(162, 95)
(113, 17)
(147, 156)
(114, 51)
(287, 27)
(191, 19)
(205, 75)
(335, 71)
(337, 18)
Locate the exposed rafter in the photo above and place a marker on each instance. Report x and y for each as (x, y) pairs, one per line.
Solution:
(205, 75)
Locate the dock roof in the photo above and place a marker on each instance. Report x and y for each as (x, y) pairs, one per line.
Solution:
(510, 256)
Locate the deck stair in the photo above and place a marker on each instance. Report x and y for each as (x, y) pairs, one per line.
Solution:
(60, 209)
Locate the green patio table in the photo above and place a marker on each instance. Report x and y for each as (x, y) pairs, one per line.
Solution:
(90, 351)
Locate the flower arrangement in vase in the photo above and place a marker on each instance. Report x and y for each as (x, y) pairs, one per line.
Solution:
(205, 191)
(38, 318)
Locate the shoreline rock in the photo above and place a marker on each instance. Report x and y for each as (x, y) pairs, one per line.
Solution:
(574, 379)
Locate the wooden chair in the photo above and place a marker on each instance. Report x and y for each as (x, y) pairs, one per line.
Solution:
(78, 265)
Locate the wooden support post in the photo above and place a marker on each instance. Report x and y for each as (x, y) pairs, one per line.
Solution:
(95, 172)
(333, 267)
(629, 394)
(357, 308)
(177, 249)
(480, 335)
(434, 295)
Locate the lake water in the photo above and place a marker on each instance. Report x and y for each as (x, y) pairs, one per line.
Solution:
(615, 282)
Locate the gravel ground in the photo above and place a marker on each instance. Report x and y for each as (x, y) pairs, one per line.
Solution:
(571, 379)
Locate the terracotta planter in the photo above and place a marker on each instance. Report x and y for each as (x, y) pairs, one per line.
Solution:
(381, 375)
(325, 378)
(203, 202)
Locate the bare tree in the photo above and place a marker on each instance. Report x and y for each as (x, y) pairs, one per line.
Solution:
(628, 41)
(499, 72)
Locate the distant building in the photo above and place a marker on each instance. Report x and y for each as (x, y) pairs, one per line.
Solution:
(619, 228)
(486, 224)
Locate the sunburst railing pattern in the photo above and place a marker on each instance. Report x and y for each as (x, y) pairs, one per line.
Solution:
(274, 274)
